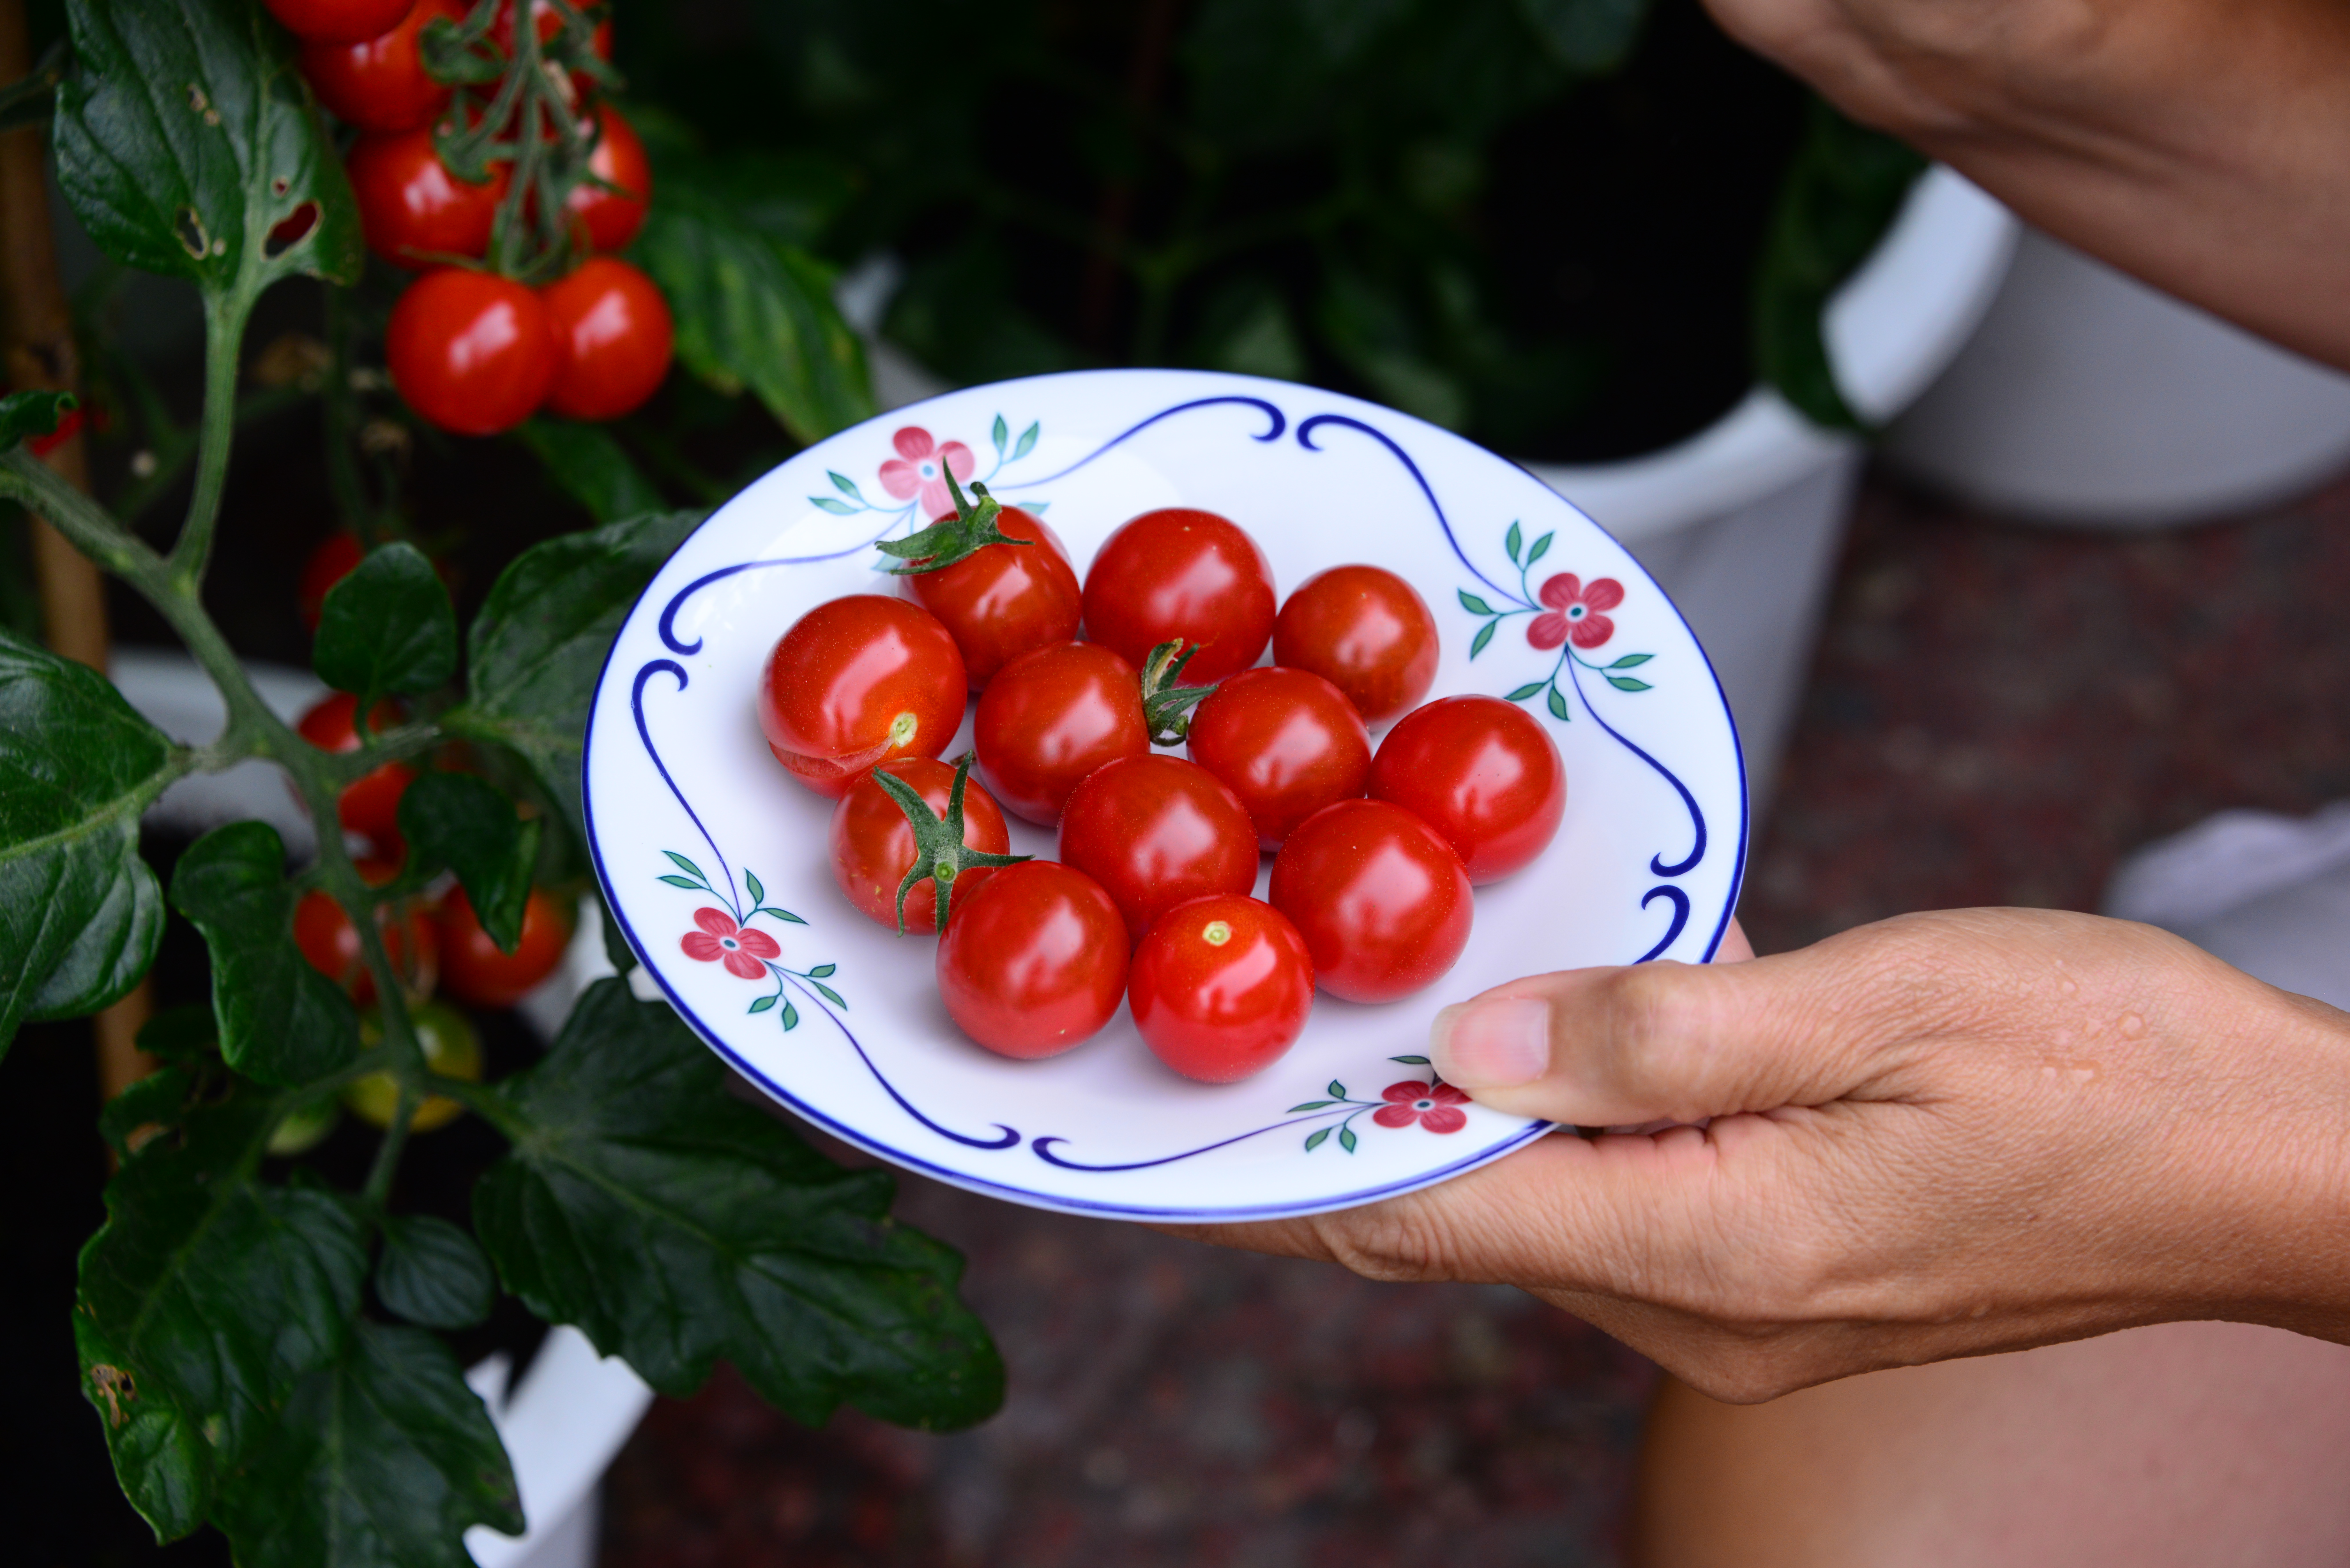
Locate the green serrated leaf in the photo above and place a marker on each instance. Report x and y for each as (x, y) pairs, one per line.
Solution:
(463, 822)
(203, 1302)
(1627, 683)
(1528, 690)
(1485, 635)
(764, 1003)
(1513, 541)
(1541, 548)
(537, 645)
(588, 463)
(791, 1016)
(838, 508)
(822, 971)
(156, 1100)
(183, 1033)
(1316, 1139)
(1410, 1060)
(187, 145)
(80, 914)
(830, 994)
(1026, 444)
(26, 414)
(281, 1022)
(1310, 1106)
(1000, 434)
(384, 1458)
(685, 882)
(751, 310)
(676, 1226)
(387, 626)
(431, 1273)
(1631, 660)
(1346, 1139)
(1472, 604)
(1557, 704)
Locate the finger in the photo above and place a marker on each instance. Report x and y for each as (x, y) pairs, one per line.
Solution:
(1612, 1047)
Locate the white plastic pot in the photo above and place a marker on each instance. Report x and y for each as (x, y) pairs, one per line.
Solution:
(2088, 398)
(566, 1418)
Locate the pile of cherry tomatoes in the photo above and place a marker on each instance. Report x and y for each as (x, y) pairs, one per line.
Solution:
(474, 352)
(1376, 851)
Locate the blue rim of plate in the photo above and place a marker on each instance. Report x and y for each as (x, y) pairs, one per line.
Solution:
(1055, 1202)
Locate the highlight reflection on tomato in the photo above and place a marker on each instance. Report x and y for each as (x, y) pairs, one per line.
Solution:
(1035, 961)
(412, 211)
(1286, 741)
(858, 681)
(1365, 630)
(1050, 717)
(1483, 772)
(613, 338)
(380, 83)
(1221, 988)
(1181, 573)
(1157, 831)
(873, 848)
(1380, 898)
(1005, 600)
(470, 352)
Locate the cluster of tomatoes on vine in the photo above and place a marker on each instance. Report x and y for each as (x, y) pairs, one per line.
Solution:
(1376, 851)
(472, 349)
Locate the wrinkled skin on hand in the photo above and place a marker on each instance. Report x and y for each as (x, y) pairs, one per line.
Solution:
(1942, 1134)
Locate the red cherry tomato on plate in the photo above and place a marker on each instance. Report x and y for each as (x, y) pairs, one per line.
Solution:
(475, 969)
(1050, 717)
(873, 848)
(1366, 631)
(337, 20)
(1034, 962)
(613, 337)
(1177, 573)
(470, 352)
(380, 83)
(1287, 742)
(1379, 898)
(1005, 600)
(337, 556)
(370, 806)
(413, 212)
(1157, 831)
(611, 219)
(1222, 988)
(1483, 773)
(331, 942)
(857, 682)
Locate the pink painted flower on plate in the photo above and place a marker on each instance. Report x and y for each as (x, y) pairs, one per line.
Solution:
(1575, 611)
(920, 468)
(1435, 1106)
(721, 941)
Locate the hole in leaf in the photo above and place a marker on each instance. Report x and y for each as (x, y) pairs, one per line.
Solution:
(280, 185)
(290, 229)
(189, 224)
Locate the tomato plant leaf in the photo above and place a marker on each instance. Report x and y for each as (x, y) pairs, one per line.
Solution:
(540, 643)
(430, 1272)
(466, 823)
(676, 1226)
(387, 626)
(187, 145)
(281, 1022)
(1586, 36)
(24, 414)
(80, 913)
(381, 1459)
(183, 1033)
(156, 1100)
(751, 310)
(1485, 635)
(202, 1302)
(588, 463)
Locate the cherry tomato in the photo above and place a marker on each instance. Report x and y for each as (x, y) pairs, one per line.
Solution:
(1050, 717)
(470, 352)
(337, 556)
(548, 22)
(369, 805)
(1286, 741)
(613, 339)
(413, 212)
(1177, 573)
(610, 219)
(1157, 831)
(1378, 895)
(380, 83)
(1483, 773)
(473, 970)
(337, 20)
(328, 940)
(873, 848)
(451, 1049)
(1366, 631)
(1005, 600)
(1222, 988)
(859, 680)
(1035, 962)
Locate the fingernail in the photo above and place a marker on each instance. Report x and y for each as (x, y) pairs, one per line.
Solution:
(1496, 1044)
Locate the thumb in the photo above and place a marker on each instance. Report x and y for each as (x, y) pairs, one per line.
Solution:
(1615, 1048)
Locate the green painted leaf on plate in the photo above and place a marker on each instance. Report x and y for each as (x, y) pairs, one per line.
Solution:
(1528, 690)
(1485, 635)
(1557, 704)
(1472, 604)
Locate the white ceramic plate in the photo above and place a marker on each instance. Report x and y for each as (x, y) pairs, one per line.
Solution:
(695, 828)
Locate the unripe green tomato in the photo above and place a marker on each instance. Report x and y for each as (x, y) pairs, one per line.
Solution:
(451, 1049)
(305, 1129)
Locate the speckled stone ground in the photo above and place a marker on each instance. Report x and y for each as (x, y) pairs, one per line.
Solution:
(1997, 715)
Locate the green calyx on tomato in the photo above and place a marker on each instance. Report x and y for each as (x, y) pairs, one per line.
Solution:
(951, 539)
(940, 856)
(1166, 706)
